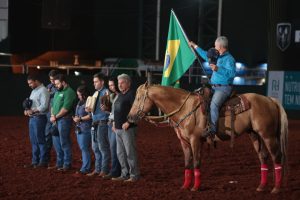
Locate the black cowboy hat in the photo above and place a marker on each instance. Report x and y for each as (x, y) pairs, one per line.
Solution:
(27, 103)
(212, 55)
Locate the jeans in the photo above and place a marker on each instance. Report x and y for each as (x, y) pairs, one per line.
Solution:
(96, 150)
(62, 143)
(84, 140)
(37, 138)
(59, 151)
(115, 170)
(48, 138)
(103, 145)
(221, 93)
(127, 154)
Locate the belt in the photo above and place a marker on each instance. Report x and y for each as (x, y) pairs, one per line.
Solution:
(219, 85)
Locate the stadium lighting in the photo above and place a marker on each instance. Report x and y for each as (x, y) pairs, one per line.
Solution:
(76, 73)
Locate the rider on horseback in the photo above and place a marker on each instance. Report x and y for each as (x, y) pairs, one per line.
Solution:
(221, 80)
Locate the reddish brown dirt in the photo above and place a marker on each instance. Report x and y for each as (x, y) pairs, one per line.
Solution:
(161, 164)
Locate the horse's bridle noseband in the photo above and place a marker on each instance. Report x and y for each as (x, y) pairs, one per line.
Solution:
(140, 113)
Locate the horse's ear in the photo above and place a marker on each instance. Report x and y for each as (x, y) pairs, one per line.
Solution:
(146, 84)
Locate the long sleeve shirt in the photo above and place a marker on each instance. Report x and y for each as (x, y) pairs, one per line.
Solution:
(226, 68)
(40, 99)
(122, 107)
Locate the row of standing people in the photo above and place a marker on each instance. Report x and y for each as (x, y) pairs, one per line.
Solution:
(111, 136)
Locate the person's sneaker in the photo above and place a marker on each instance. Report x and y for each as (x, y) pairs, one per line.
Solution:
(30, 166)
(65, 169)
(54, 167)
(107, 176)
(120, 178)
(131, 180)
(209, 133)
(102, 174)
(79, 174)
(93, 173)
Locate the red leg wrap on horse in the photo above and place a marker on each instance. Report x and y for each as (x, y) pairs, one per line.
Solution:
(197, 180)
(187, 178)
(278, 175)
(264, 174)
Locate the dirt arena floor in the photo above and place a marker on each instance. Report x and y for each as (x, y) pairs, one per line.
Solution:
(226, 173)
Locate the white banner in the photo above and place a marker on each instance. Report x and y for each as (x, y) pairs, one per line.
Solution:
(275, 84)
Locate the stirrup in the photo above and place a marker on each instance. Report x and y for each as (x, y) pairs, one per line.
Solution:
(209, 134)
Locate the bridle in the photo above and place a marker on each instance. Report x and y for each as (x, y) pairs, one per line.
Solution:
(140, 113)
(153, 119)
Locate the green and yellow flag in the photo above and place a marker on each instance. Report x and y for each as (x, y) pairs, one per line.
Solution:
(179, 56)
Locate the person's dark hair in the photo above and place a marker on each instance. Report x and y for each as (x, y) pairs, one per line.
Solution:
(53, 73)
(83, 90)
(114, 79)
(100, 76)
(60, 77)
(33, 77)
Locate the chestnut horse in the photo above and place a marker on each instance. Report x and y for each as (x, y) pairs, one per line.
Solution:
(265, 122)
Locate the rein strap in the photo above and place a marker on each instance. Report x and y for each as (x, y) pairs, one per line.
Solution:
(170, 114)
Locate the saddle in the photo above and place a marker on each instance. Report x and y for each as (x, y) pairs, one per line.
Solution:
(234, 105)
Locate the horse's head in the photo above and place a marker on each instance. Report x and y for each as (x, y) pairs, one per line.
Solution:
(105, 101)
(141, 105)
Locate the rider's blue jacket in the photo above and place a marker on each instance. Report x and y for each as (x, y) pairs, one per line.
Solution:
(226, 68)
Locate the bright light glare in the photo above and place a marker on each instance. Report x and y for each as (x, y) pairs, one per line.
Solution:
(77, 73)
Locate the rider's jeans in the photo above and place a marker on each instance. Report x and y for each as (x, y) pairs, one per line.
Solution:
(221, 93)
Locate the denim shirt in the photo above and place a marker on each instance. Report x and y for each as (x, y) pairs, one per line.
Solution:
(40, 99)
(226, 68)
(80, 112)
(52, 89)
(99, 114)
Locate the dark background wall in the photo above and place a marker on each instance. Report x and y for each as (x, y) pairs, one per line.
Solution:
(121, 28)
(113, 28)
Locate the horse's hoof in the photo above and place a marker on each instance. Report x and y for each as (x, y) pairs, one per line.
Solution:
(275, 190)
(194, 189)
(261, 188)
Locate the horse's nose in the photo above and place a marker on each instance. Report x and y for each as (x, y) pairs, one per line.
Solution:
(132, 118)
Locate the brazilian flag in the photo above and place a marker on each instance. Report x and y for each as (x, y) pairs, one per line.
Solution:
(179, 55)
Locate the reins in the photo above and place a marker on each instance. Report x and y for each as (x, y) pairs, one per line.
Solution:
(164, 118)
(171, 113)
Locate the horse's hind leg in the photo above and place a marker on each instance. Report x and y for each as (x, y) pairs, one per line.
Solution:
(263, 156)
(274, 148)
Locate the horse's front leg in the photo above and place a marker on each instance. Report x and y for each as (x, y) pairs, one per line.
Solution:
(196, 146)
(187, 164)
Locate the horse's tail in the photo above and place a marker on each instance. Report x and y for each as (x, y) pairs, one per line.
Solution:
(283, 133)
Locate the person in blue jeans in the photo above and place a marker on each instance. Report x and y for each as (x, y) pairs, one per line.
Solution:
(48, 136)
(99, 130)
(221, 80)
(115, 170)
(61, 115)
(37, 121)
(83, 126)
